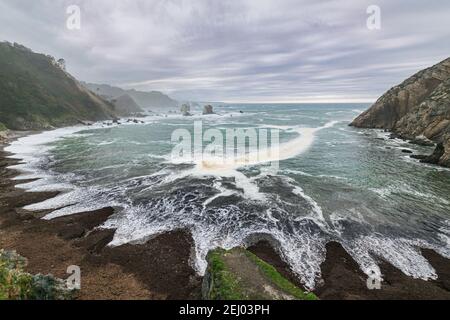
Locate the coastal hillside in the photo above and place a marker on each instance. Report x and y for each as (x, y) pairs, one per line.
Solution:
(153, 100)
(126, 105)
(418, 109)
(37, 93)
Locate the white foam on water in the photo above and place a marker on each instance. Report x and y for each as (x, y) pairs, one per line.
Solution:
(228, 166)
(223, 193)
(302, 236)
(404, 188)
(402, 253)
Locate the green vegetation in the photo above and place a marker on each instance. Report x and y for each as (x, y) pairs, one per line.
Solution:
(281, 282)
(224, 284)
(240, 275)
(35, 93)
(3, 127)
(15, 284)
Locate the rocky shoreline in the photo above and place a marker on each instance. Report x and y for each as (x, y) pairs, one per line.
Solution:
(418, 110)
(160, 268)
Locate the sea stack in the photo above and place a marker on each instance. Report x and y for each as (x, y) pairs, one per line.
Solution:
(186, 110)
(208, 110)
(418, 109)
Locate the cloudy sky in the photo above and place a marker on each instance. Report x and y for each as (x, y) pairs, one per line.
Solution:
(238, 50)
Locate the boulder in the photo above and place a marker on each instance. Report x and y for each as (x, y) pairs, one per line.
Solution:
(186, 110)
(208, 110)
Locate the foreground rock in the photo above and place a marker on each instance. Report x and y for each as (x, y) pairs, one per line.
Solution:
(240, 275)
(418, 110)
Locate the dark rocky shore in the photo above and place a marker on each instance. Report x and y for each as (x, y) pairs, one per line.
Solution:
(159, 268)
(418, 110)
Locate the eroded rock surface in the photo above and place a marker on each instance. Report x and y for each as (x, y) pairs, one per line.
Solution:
(418, 109)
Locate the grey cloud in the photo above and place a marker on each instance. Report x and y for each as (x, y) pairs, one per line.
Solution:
(246, 50)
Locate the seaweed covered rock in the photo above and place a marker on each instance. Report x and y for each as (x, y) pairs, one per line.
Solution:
(15, 284)
(238, 274)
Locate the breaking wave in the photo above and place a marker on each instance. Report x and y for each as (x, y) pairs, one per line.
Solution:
(232, 203)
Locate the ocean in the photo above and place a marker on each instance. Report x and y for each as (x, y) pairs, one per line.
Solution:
(330, 182)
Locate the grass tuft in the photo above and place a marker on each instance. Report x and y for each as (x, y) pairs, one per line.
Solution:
(15, 284)
(224, 285)
(281, 282)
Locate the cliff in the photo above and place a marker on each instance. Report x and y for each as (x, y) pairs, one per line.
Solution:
(153, 100)
(418, 108)
(37, 93)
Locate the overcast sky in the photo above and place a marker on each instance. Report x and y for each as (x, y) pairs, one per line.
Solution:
(238, 50)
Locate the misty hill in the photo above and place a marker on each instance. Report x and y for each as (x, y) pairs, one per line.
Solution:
(126, 105)
(37, 93)
(146, 100)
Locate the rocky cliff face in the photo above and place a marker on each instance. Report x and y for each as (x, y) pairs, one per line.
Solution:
(417, 108)
(36, 93)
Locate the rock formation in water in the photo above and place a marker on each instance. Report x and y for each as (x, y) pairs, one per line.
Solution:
(418, 110)
(186, 110)
(208, 110)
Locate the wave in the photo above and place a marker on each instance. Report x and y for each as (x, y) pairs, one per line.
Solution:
(223, 206)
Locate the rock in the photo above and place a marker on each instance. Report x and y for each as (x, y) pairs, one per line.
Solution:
(3, 136)
(208, 110)
(435, 158)
(186, 110)
(240, 275)
(87, 123)
(422, 141)
(416, 110)
(71, 232)
(406, 151)
(393, 136)
(418, 156)
(402, 99)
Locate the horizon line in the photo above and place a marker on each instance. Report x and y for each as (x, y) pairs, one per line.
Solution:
(297, 102)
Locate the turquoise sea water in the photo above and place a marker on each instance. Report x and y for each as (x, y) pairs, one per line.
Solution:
(334, 183)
